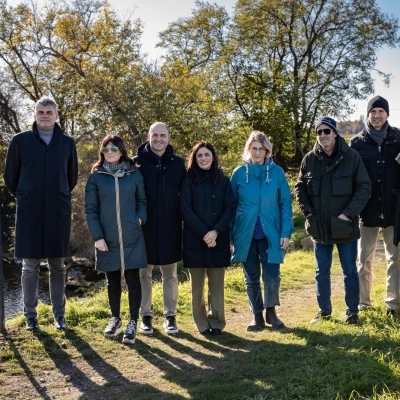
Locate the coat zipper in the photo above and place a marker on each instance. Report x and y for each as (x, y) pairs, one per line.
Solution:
(118, 212)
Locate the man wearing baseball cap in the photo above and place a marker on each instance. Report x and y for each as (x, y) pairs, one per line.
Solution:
(332, 188)
(379, 145)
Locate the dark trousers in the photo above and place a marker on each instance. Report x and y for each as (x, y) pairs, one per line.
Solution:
(134, 292)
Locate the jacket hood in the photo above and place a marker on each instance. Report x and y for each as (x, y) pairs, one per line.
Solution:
(145, 151)
(256, 170)
(340, 142)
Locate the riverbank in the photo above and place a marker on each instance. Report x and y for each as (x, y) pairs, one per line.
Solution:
(328, 360)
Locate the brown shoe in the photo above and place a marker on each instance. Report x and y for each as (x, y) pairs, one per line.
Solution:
(257, 324)
(272, 319)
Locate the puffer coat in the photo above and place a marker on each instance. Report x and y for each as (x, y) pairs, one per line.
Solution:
(326, 191)
(113, 206)
(206, 207)
(261, 190)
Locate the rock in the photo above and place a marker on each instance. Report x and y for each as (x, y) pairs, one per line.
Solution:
(67, 378)
(64, 345)
(307, 244)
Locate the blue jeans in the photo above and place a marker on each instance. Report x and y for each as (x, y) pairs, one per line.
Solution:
(270, 276)
(347, 256)
(30, 282)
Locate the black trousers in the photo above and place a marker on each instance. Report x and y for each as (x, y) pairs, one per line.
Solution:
(114, 290)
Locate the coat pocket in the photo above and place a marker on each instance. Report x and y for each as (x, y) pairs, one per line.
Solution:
(311, 226)
(341, 229)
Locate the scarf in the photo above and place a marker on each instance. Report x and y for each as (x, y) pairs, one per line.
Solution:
(377, 135)
(115, 169)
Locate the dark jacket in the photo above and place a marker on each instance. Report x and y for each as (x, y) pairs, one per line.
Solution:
(206, 207)
(42, 177)
(162, 180)
(113, 207)
(326, 191)
(384, 172)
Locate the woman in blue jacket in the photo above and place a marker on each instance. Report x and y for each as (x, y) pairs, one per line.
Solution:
(261, 227)
(207, 207)
(115, 205)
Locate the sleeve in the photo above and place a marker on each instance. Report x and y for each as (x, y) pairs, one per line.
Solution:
(190, 218)
(285, 205)
(72, 172)
(225, 219)
(304, 200)
(362, 189)
(92, 209)
(141, 201)
(12, 166)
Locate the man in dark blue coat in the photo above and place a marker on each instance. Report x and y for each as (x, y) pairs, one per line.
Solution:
(163, 172)
(41, 170)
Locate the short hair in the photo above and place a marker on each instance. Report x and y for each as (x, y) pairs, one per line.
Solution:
(46, 101)
(116, 141)
(158, 123)
(256, 136)
(195, 173)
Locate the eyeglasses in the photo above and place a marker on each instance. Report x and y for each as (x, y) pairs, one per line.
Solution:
(325, 131)
(258, 149)
(114, 149)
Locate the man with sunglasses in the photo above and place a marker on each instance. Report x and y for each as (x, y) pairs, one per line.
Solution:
(163, 172)
(379, 146)
(332, 188)
(41, 170)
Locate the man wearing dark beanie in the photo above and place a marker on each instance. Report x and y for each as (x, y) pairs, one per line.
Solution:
(379, 145)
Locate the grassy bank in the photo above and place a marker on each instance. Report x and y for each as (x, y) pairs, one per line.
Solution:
(329, 360)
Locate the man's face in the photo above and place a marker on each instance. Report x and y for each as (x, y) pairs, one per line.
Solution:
(158, 138)
(45, 116)
(377, 117)
(326, 140)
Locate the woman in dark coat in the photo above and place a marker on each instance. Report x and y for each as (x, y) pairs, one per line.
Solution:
(207, 207)
(115, 205)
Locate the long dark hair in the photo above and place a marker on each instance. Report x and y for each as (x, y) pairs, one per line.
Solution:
(116, 141)
(198, 175)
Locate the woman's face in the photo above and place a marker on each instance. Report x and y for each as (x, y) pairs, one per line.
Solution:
(204, 158)
(112, 154)
(258, 153)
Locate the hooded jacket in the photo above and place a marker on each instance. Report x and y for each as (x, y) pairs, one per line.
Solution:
(113, 206)
(162, 181)
(326, 191)
(261, 190)
(41, 177)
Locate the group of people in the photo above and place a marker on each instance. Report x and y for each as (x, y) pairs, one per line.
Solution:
(135, 208)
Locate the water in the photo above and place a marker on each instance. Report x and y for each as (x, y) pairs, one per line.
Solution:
(13, 291)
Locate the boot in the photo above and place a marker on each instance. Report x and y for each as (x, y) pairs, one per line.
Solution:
(258, 323)
(272, 319)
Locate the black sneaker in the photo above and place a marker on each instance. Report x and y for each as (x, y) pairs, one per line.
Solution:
(145, 326)
(321, 315)
(60, 323)
(114, 327)
(351, 318)
(130, 333)
(32, 324)
(170, 325)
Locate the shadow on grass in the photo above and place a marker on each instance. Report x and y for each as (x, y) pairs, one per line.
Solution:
(115, 385)
(311, 365)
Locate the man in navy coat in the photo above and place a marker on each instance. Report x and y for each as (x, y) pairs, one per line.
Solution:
(163, 172)
(41, 170)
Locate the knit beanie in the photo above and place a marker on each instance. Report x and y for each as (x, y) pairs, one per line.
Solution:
(328, 122)
(376, 102)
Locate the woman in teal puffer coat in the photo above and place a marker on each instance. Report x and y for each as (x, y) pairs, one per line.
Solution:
(261, 227)
(115, 205)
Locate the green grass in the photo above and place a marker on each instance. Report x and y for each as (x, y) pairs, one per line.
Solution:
(328, 360)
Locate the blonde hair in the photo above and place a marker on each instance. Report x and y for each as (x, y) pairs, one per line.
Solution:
(257, 136)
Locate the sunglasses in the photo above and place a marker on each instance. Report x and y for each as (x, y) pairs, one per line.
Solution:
(114, 149)
(325, 131)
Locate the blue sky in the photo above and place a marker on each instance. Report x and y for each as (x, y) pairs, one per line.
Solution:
(156, 14)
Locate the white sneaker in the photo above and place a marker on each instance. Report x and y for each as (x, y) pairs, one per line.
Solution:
(130, 333)
(114, 327)
(170, 325)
